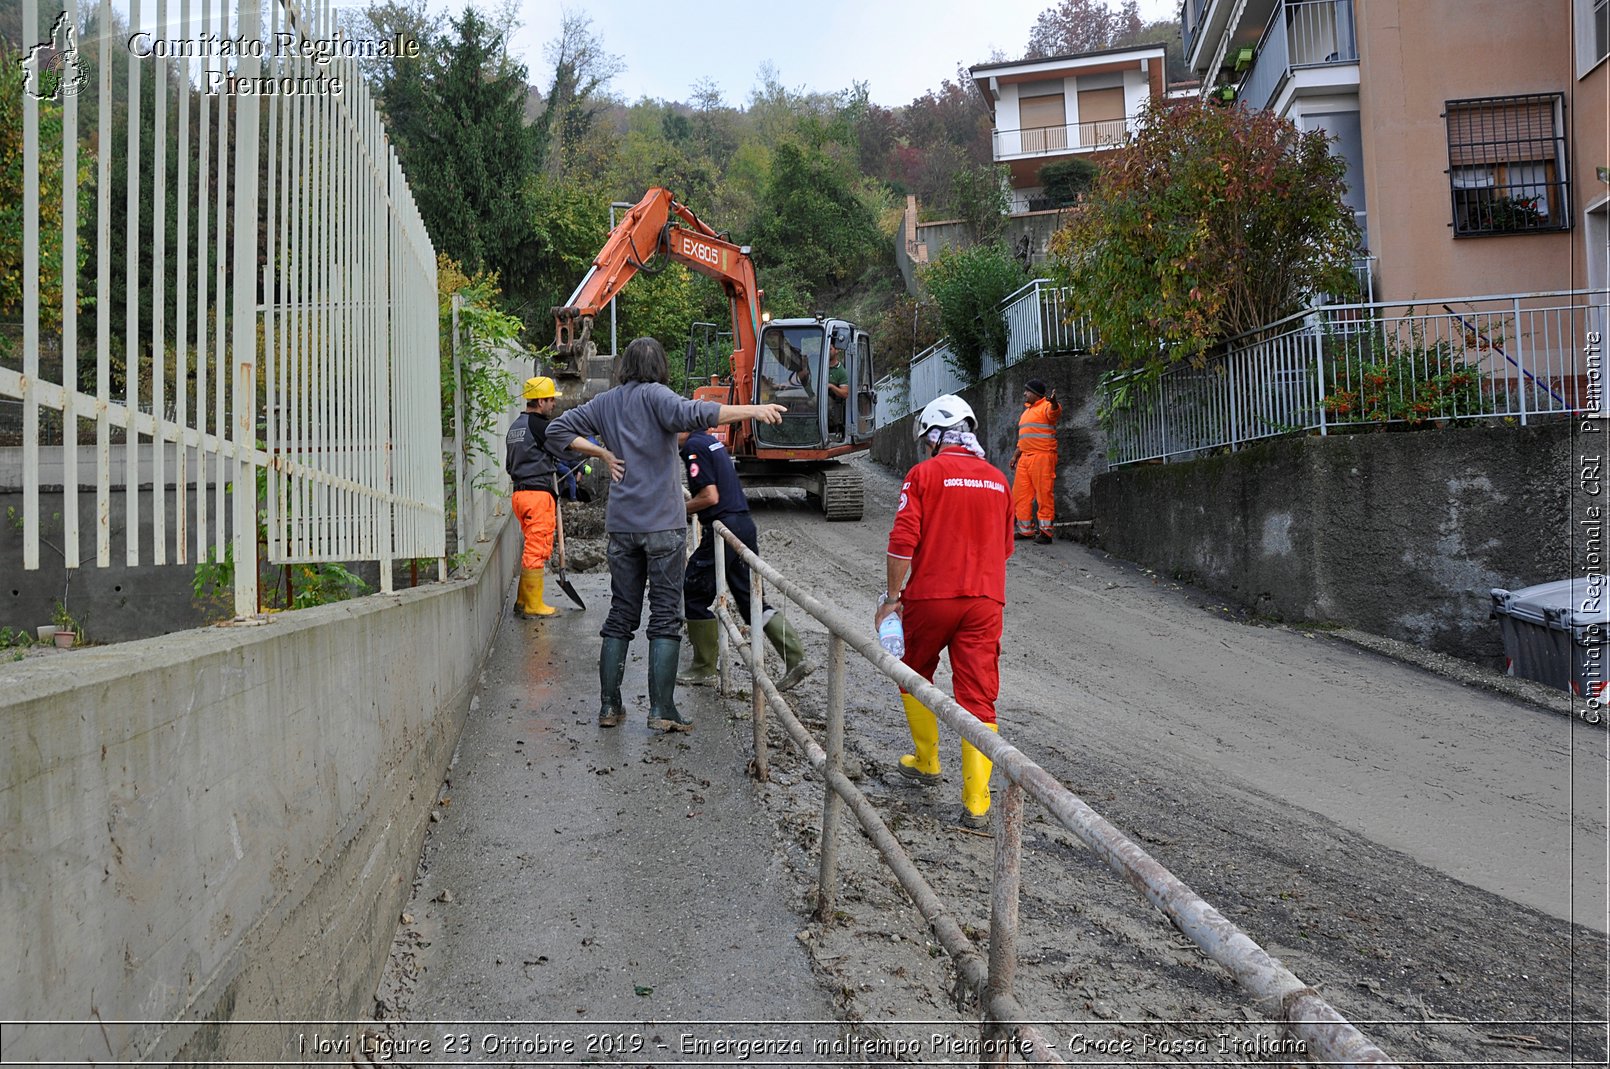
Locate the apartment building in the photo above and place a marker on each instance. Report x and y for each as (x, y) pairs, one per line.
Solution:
(1476, 132)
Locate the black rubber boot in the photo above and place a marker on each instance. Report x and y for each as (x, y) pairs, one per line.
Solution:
(663, 715)
(611, 668)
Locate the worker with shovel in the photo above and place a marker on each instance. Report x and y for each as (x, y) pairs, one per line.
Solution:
(531, 466)
(718, 495)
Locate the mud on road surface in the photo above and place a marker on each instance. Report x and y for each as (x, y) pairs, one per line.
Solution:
(1414, 849)
(1428, 856)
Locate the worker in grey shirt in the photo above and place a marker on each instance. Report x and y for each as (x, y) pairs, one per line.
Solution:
(636, 424)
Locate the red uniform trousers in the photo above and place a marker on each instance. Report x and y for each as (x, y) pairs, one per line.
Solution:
(535, 511)
(971, 629)
(1032, 482)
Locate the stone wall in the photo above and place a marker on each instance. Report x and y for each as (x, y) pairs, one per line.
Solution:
(1398, 534)
(998, 401)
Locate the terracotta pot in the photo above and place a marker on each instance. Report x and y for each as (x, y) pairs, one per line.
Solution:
(65, 639)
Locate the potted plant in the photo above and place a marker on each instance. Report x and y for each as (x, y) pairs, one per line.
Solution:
(66, 627)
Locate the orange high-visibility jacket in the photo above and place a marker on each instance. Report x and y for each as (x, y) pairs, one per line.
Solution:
(1037, 427)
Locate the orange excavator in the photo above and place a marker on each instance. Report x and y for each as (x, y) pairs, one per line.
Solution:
(818, 368)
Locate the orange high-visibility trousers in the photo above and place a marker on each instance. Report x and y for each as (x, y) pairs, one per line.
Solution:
(535, 511)
(1034, 481)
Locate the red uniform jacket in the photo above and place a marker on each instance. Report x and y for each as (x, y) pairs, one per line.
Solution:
(954, 523)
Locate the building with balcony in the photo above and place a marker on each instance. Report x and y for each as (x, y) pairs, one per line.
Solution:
(1473, 130)
(1045, 110)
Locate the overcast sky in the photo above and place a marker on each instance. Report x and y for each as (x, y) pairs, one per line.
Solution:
(900, 48)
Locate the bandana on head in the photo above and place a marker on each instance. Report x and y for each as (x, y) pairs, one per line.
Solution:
(957, 435)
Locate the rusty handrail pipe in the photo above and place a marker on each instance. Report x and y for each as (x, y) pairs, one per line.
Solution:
(1281, 995)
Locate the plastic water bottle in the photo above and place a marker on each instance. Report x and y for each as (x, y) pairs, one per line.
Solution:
(892, 635)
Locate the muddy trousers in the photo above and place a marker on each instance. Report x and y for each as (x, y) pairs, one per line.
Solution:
(638, 559)
(1034, 483)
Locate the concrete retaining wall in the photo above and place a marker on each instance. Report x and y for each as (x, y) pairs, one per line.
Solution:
(998, 401)
(222, 824)
(1401, 535)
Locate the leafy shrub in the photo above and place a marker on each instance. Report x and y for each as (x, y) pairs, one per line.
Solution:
(1213, 222)
(1065, 181)
(969, 286)
(1402, 377)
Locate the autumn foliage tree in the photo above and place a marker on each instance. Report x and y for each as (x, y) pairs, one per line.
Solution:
(1212, 223)
(1073, 26)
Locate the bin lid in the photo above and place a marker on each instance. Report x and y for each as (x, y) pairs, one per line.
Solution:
(1578, 602)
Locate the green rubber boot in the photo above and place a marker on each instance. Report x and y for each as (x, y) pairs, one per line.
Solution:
(663, 715)
(611, 668)
(704, 636)
(796, 666)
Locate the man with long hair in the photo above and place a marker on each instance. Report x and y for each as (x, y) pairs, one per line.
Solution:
(636, 425)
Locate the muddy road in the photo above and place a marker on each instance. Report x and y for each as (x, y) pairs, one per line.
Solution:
(1429, 855)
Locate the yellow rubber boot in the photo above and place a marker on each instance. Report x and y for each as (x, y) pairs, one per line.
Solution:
(528, 602)
(538, 606)
(975, 784)
(922, 766)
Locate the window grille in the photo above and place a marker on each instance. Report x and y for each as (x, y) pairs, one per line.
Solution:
(1507, 171)
(1601, 29)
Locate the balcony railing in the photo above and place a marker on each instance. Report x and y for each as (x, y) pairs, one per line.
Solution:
(1191, 12)
(1301, 33)
(1070, 137)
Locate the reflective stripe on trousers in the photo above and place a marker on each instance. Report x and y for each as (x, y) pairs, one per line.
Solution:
(1035, 482)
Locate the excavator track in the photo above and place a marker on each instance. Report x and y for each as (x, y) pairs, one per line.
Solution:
(842, 493)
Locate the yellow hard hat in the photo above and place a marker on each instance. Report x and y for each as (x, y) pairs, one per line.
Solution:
(538, 388)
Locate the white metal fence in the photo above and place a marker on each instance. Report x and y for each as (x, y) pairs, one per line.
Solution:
(1038, 319)
(1514, 356)
(301, 282)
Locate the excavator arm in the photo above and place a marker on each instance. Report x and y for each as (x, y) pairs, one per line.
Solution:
(660, 225)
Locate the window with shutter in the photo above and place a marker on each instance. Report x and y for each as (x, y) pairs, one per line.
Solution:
(1044, 120)
(1507, 170)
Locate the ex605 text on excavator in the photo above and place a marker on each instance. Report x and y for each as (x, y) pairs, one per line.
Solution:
(818, 368)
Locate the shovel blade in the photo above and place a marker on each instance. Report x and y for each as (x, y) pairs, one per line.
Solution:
(570, 591)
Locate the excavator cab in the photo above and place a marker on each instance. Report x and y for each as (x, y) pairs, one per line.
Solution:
(799, 360)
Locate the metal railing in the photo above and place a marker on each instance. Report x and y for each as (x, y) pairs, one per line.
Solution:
(1038, 320)
(1067, 137)
(1512, 356)
(1328, 1036)
(303, 288)
(1301, 33)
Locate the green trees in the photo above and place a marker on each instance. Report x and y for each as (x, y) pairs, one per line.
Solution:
(814, 233)
(1214, 222)
(969, 285)
(466, 148)
(50, 200)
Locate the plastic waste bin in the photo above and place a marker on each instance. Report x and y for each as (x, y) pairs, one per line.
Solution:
(1555, 633)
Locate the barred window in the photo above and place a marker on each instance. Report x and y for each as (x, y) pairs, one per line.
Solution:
(1507, 170)
(1601, 29)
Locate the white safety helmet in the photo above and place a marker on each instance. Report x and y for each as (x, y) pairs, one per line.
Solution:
(943, 412)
